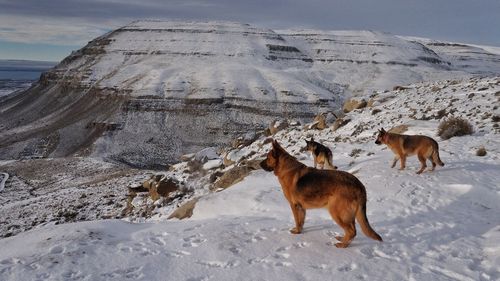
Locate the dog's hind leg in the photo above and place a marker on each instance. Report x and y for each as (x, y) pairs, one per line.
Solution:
(433, 163)
(347, 224)
(422, 160)
(435, 158)
(299, 214)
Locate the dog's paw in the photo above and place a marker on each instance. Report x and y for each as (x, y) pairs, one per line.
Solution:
(295, 231)
(339, 237)
(341, 245)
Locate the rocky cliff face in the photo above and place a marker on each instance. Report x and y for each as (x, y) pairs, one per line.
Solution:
(150, 91)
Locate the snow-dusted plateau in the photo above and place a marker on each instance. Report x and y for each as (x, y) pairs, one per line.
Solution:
(136, 158)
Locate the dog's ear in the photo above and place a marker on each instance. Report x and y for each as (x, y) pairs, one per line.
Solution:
(276, 149)
(382, 130)
(276, 145)
(312, 139)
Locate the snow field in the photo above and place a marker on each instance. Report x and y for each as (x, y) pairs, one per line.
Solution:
(442, 225)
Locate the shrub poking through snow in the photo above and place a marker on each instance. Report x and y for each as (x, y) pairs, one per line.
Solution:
(355, 152)
(441, 113)
(454, 127)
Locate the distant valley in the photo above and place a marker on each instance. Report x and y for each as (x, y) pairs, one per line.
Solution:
(16, 75)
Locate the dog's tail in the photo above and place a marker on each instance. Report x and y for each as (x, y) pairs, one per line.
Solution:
(365, 225)
(435, 154)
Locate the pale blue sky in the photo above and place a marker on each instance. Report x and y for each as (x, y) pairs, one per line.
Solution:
(51, 29)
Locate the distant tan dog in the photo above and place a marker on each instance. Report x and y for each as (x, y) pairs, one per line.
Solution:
(405, 145)
(321, 154)
(306, 188)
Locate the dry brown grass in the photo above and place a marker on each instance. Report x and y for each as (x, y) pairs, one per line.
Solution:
(454, 127)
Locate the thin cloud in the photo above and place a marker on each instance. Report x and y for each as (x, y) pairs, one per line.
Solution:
(74, 22)
(50, 31)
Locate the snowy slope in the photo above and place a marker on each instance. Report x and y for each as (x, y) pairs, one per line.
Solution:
(440, 225)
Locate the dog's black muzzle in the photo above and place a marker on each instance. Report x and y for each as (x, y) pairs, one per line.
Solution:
(265, 167)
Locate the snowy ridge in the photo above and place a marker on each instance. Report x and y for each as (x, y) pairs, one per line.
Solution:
(440, 225)
(176, 87)
(199, 60)
(225, 59)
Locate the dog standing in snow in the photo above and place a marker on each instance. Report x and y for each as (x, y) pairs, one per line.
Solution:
(407, 145)
(307, 188)
(321, 154)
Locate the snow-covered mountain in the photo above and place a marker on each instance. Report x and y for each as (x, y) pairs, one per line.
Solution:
(440, 225)
(148, 92)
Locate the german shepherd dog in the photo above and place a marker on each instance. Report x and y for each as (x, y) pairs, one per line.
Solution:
(306, 188)
(407, 145)
(321, 154)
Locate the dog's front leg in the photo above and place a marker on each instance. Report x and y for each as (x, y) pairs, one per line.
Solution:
(396, 158)
(299, 214)
(402, 159)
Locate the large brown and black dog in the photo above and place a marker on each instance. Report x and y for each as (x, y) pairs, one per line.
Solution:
(306, 188)
(408, 145)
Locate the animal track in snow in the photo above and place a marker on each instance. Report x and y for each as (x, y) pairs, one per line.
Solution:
(320, 266)
(235, 250)
(158, 241)
(219, 264)
(42, 276)
(56, 250)
(347, 267)
(72, 275)
(284, 248)
(299, 245)
(192, 228)
(178, 254)
(283, 263)
(193, 240)
(126, 249)
(256, 238)
(128, 273)
(281, 255)
(202, 278)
